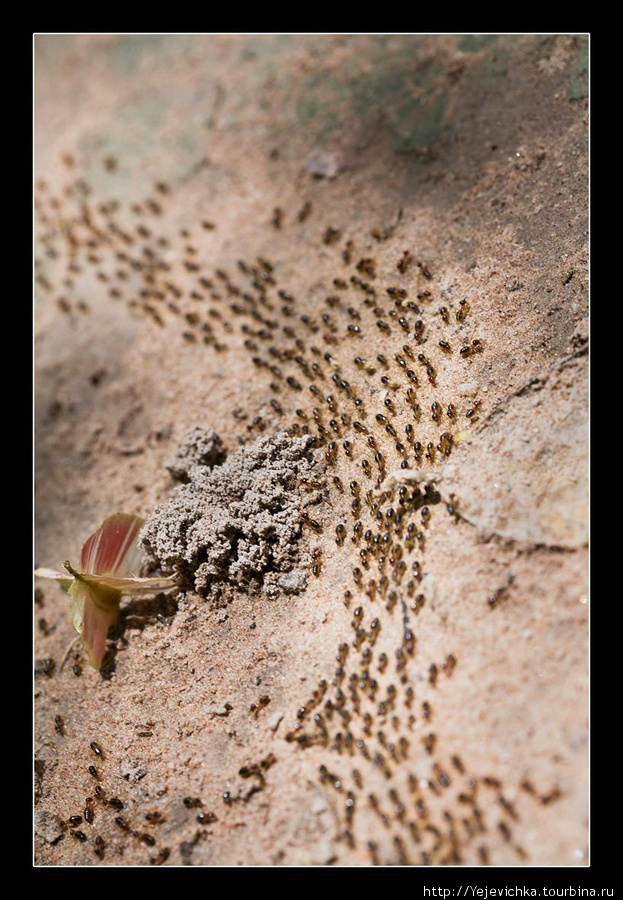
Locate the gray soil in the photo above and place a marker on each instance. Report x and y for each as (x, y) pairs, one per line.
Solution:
(275, 274)
(236, 524)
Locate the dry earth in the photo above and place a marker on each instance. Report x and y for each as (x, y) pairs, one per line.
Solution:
(227, 226)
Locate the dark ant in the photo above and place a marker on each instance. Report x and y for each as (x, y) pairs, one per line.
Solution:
(461, 313)
(331, 235)
(304, 211)
(256, 708)
(206, 818)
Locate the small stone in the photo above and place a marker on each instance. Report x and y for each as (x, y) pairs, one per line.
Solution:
(293, 582)
(222, 709)
(48, 826)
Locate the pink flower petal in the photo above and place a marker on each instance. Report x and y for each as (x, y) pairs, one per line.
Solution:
(113, 548)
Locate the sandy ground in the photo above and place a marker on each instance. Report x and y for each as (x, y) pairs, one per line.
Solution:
(231, 230)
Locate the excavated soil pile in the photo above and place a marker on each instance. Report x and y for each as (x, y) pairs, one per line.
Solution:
(238, 522)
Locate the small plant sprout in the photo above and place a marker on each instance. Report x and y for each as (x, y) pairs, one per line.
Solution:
(109, 559)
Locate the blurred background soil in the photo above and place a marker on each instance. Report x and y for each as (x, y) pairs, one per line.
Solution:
(435, 716)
